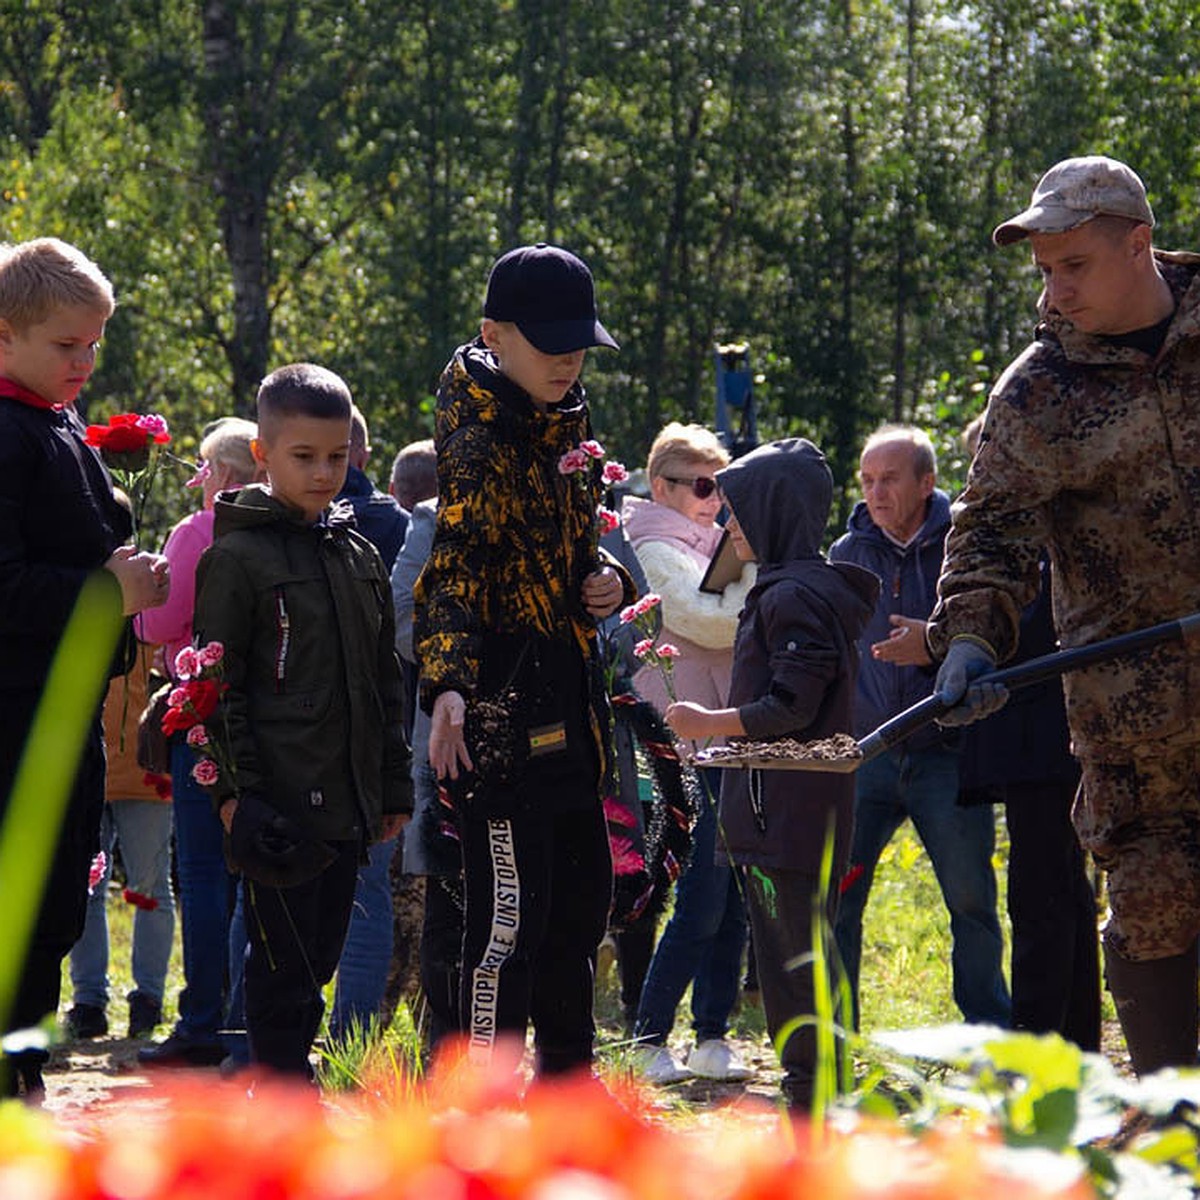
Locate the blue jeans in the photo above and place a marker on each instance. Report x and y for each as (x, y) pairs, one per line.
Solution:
(143, 829)
(702, 943)
(367, 955)
(923, 786)
(205, 898)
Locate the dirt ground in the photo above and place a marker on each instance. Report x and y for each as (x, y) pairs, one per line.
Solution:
(86, 1078)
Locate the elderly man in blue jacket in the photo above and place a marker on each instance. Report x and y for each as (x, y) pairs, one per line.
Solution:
(897, 531)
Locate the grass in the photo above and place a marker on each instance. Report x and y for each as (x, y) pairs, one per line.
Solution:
(905, 967)
(906, 977)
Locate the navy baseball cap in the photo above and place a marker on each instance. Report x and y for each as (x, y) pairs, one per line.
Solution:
(548, 294)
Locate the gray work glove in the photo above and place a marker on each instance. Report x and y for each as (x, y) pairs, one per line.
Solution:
(969, 701)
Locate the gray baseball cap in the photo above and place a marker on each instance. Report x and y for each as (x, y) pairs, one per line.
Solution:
(1074, 191)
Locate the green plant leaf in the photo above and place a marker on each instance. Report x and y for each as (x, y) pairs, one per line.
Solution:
(42, 787)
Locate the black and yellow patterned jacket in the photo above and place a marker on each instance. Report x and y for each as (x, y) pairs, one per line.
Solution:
(498, 604)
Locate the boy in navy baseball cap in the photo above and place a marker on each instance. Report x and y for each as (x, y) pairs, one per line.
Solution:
(505, 625)
(547, 293)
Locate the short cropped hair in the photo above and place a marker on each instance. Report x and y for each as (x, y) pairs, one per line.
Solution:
(679, 447)
(226, 443)
(301, 390)
(1116, 229)
(43, 275)
(414, 474)
(924, 457)
(360, 439)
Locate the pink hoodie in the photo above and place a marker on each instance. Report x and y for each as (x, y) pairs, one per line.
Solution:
(674, 552)
(171, 623)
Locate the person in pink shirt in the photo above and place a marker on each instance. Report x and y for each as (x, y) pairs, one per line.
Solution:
(675, 534)
(206, 888)
(225, 463)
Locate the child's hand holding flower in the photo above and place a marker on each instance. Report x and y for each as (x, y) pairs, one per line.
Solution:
(688, 720)
(602, 592)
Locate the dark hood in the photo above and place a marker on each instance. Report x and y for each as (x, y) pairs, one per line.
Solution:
(253, 505)
(780, 494)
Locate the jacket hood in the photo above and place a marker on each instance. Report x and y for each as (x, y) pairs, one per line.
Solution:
(780, 494)
(253, 505)
(851, 590)
(647, 520)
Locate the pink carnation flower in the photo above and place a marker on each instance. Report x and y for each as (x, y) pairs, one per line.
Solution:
(96, 870)
(178, 697)
(205, 772)
(614, 472)
(572, 461)
(187, 664)
(607, 520)
(197, 737)
(628, 615)
(649, 601)
(592, 448)
(210, 655)
(666, 650)
(154, 425)
(643, 647)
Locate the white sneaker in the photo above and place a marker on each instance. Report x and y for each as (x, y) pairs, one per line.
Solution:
(656, 1064)
(716, 1059)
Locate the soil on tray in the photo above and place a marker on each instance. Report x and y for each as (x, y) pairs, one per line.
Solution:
(839, 747)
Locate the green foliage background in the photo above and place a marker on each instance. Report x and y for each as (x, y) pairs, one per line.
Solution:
(291, 179)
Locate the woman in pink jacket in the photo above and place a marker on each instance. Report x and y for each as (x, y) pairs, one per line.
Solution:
(675, 535)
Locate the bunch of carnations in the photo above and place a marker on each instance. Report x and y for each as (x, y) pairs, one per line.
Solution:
(578, 463)
(191, 706)
(649, 650)
(130, 447)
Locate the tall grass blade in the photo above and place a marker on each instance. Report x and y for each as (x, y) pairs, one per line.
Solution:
(70, 700)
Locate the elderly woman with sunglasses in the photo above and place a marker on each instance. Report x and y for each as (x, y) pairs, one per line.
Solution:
(675, 534)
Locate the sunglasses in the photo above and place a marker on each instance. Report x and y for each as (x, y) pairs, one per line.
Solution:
(702, 486)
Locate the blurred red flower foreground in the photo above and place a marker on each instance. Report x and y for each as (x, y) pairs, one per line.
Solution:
(463, 1135)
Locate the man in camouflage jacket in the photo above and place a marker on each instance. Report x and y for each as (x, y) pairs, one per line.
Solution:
(1091, 448)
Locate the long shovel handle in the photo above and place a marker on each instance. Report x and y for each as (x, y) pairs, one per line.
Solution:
(1033, 670)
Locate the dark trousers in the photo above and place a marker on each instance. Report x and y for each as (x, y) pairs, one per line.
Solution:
(296, 936)
(780, 904)
(63, 907)
(441, 953)
(538, 887)
(635, 950)
(1055, 950)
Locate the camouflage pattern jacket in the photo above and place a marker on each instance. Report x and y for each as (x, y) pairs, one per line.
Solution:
(1091, 449)
(497, 605)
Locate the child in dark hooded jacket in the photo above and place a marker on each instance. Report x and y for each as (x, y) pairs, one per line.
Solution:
(794, 667)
